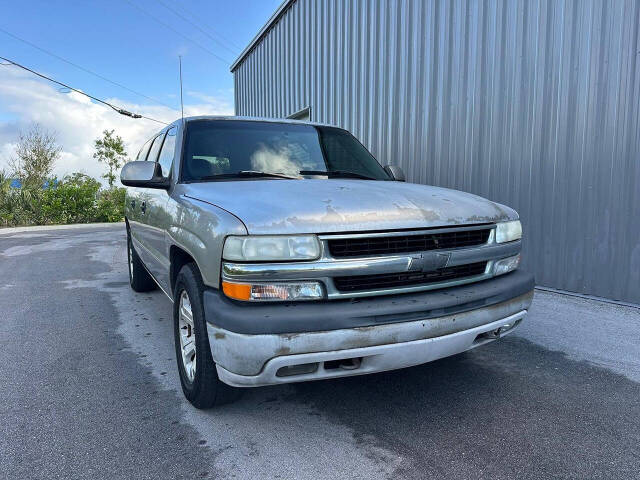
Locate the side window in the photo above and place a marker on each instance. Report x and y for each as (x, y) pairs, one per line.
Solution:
(155, 148)
(166, 154)
(142, 154)
(346, 153)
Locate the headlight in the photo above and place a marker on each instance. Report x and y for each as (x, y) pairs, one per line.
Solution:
(287, 291)
(508, 231)
(266, 248)
(506, 265)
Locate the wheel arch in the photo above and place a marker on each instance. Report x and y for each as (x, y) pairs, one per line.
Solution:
(178, 258)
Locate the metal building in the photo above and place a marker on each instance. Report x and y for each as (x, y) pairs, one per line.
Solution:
(532, 103)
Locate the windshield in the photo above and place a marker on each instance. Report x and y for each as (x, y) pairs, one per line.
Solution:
(240, 149)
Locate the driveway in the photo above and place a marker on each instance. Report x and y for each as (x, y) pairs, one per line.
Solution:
(89, 389)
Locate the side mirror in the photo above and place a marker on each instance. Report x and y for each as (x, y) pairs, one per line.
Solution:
(143, 174)
(395, 172)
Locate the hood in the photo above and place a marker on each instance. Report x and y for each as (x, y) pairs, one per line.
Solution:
(340, 205)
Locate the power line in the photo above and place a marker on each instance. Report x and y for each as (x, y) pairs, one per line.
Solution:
(121, 111)
(198, 27)
(166, 25)
(193, 15)
(82, 68)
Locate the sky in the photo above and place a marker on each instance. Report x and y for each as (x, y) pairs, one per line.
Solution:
(134, 43)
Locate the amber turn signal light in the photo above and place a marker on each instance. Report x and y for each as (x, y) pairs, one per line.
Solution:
(238, 291)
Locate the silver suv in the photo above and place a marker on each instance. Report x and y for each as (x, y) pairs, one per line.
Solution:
(291, 254)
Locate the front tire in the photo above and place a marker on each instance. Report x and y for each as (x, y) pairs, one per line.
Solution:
(139, 279)
(198, 374)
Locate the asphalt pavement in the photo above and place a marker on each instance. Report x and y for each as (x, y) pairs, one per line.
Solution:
(89, 389)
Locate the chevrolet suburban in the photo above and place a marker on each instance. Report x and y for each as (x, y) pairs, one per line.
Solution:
(290, 254)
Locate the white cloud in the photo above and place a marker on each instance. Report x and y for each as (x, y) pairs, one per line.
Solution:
(216, 102)
(78, 121)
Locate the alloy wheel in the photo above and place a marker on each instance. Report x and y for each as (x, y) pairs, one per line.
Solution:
(187, 336)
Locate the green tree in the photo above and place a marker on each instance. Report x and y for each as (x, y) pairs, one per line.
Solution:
(110, 150)
(36, 154)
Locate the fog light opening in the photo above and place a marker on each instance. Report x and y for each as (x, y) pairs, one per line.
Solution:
(300, 369)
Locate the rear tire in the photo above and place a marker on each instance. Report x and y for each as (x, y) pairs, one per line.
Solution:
(139, 279)
(198, 374)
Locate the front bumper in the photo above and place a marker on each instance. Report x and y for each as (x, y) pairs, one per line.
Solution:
(378, 358)
(250, 343)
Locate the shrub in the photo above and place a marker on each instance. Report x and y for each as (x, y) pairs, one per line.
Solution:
(111, 205)
(77, 198)
(17, 206)
(72, 200)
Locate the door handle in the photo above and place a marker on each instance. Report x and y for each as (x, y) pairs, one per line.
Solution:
(143, 207)
(133, 204)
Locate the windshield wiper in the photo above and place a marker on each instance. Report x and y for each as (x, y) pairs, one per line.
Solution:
(246, 173)
(335, 174)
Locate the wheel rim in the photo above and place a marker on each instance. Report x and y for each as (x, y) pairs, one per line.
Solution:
(130, 257)
(187, 336)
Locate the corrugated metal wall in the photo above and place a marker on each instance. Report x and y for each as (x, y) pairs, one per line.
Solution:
(534, 104)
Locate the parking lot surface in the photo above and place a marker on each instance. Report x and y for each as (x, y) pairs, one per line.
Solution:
(89, 389)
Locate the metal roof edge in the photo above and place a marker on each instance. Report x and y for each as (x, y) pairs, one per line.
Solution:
(261, 34)
(251, 119)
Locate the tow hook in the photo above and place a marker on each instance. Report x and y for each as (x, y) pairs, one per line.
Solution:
(503, 329)
(498, 332)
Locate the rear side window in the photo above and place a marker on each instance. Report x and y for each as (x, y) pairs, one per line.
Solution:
(166, 154)
(155, 148)
(142, 154)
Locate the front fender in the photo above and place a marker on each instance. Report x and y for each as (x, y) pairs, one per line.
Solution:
(200, 229)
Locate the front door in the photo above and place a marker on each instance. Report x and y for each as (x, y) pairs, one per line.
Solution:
(136, 215)
(158, 220)
(144, 208)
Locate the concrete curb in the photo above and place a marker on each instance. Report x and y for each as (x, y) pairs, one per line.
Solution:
(38, 228)
(585, 296)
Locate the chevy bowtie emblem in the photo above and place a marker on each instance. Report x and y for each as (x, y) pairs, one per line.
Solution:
(428, 261)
